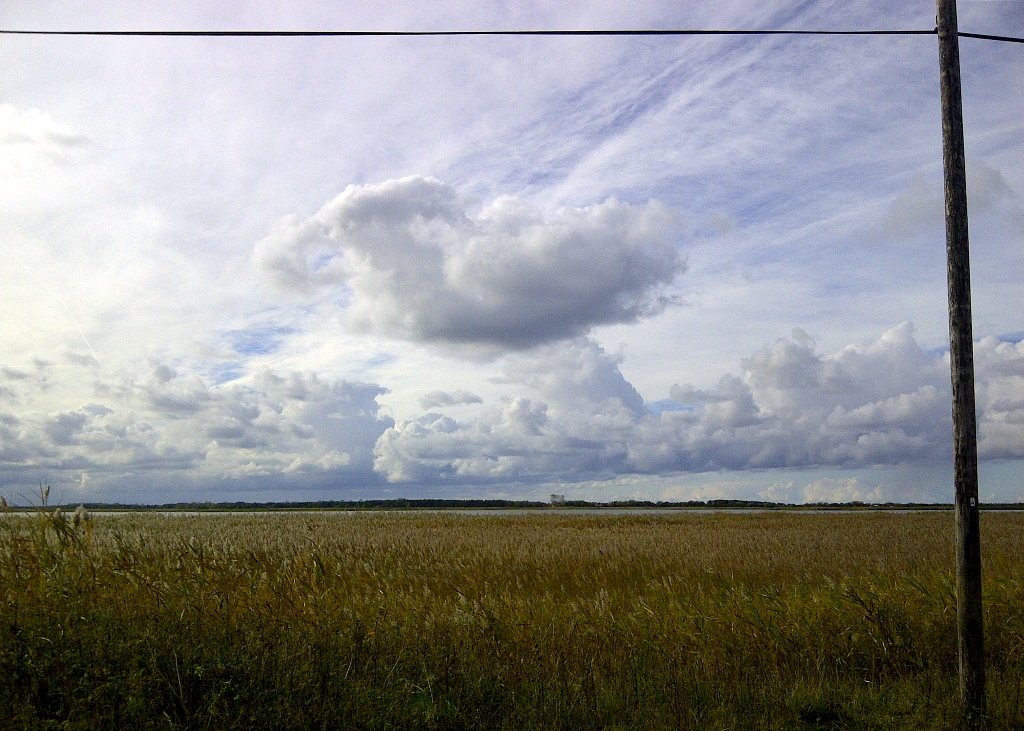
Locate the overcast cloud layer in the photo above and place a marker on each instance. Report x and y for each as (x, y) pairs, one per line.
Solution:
(608, 267)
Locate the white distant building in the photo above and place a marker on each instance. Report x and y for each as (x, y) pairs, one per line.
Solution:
(557, 499)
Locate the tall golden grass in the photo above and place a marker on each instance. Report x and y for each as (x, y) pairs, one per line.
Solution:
(537, 620)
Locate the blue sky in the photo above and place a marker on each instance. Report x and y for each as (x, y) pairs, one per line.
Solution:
(657, 268)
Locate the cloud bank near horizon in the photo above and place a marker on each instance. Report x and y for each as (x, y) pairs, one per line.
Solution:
(885, 403)
(279, 425)
(569, 416)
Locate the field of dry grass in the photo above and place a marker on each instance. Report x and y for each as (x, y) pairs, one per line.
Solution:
(539, 620)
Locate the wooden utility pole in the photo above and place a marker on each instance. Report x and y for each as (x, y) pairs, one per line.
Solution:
(961, 358)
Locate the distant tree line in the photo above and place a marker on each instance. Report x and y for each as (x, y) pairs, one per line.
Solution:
(492, 504)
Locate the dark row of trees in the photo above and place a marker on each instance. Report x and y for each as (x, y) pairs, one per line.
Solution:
(492, 504)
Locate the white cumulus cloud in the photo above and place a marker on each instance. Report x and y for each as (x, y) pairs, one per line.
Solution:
(417, 264)
(575, 416)
(165, 423)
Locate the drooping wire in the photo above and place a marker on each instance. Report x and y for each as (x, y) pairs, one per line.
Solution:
(986, 37)
(413, 33)
(407, 33)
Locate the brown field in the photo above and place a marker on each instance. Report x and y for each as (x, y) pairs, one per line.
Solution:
(539, 620)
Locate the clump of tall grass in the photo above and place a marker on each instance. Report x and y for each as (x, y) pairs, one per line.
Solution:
(469, 621)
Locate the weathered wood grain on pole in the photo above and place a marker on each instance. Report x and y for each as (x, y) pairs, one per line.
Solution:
(961, 356)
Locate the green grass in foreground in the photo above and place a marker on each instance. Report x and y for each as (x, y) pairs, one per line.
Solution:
(541, 621)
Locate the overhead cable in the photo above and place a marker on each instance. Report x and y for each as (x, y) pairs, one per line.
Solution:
(420, 33)
(406, 33)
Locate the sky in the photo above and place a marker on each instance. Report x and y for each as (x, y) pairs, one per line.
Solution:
(654, 268)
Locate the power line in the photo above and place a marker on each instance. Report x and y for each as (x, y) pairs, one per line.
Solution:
(985, 37)
(416, 33)
(406, 33)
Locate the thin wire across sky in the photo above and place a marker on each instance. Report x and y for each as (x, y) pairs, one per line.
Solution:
(417, 33)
